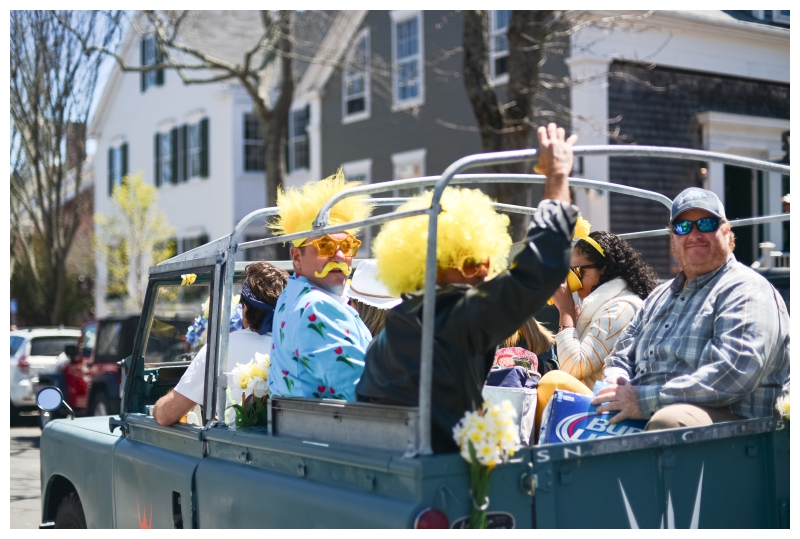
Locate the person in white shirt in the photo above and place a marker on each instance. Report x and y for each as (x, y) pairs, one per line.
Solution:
(261, 286)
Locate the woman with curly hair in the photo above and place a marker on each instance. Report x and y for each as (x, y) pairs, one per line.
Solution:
(615, 280)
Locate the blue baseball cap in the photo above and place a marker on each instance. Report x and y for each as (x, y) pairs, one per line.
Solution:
(696, 198)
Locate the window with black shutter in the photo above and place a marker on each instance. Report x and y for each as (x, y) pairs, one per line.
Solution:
(253, 144)
(150, 55)
(183, 152)
(298, 139)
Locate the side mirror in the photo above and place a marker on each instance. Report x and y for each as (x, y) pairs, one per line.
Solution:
(71, 351)
(50, 399)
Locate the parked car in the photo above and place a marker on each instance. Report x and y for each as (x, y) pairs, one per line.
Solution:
(33, 351)
(68, 375)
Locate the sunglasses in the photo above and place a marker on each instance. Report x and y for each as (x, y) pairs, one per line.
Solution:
(578, 270)
(470, 267)
(706, 224)
(327, 246)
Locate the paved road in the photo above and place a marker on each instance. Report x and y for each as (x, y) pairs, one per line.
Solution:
(24, 476)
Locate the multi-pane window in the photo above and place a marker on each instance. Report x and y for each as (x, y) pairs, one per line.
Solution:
(409, 165)
(148, 55)
(355, 80)
(407, 55)
(298, 139)
(253, 145)
(165, 158)
(187, 244)
(499, 42)
(195, 150)
(117, 165)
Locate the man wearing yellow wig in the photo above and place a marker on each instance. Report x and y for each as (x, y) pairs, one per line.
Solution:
(473, 314)
(319, 341)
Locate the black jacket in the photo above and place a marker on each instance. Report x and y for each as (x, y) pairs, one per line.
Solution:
(470, 323)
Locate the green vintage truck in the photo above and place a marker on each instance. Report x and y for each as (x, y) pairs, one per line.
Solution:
(329, 464)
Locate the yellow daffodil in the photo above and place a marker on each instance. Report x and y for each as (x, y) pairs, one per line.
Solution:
(188, 279)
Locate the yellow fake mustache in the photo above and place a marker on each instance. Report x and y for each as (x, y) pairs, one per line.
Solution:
(332, 266)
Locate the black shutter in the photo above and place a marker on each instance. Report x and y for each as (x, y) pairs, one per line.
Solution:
(185, 152)
(158, 159)
(110, 170)
(204, 148)
(203, 238)
(174, 157)
(159, 59)
(141, 62)
(124, 151)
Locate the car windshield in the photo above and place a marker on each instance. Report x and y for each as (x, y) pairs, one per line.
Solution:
(16, 342)
(50, 346)
(108, 343)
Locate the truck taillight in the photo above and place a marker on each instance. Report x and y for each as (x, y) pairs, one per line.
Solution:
(431, 519)
(23, 365)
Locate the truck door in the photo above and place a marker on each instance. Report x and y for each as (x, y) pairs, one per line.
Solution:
(154, 465)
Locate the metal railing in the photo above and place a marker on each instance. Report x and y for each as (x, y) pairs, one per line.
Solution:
(451, 175)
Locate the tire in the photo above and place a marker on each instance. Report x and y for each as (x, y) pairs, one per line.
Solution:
(14, 415)
(70, 514)
(99, 404)
(44, 418)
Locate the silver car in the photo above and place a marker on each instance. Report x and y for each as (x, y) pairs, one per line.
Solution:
(32, 351)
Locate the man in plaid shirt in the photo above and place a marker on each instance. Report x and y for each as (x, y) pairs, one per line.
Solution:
(712, 345)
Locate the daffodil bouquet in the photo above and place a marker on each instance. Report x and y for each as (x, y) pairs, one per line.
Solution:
(486, 438)
(784, 401)
(251, 380)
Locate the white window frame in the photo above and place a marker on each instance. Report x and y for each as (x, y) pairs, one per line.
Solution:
(347, 75)
(778, 17)
(358, 168)
(117, 165)
(293, 139)
(351, 170)
(410, 158)
(250, 142)
(493, 54)
(165, 159)
(398, 17)
(195, 150)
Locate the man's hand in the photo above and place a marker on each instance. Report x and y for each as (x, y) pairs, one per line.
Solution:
(555, 161)
(620, 396)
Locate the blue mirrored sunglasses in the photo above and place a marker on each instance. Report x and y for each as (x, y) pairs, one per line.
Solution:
(706, 224)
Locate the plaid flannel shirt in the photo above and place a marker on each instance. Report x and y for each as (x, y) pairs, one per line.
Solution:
(722, 340)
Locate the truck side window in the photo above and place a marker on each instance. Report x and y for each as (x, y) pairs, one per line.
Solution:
(178, 326)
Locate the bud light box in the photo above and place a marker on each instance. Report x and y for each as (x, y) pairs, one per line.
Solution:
(570, 417)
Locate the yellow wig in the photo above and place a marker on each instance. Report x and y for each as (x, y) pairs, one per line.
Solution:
(469, 227)
(297, 208)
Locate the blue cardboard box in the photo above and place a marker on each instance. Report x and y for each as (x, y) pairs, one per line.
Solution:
(570, 417)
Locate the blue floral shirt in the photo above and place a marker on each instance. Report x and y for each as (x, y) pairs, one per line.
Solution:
(318, 345)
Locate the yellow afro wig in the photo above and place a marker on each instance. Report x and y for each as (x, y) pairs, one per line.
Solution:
(297, 208)
(469, 227)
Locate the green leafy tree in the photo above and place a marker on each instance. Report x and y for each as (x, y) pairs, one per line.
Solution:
(134, 235)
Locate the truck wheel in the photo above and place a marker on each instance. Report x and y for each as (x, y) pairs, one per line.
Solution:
(14, 414)
(70, 514)
(44, 418)
(99, 404)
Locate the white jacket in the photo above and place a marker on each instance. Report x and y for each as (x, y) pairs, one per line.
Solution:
(603, 315)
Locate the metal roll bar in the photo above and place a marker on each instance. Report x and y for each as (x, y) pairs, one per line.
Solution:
(451, 175)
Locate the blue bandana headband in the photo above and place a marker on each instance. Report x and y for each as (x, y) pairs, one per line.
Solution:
(252, 301)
